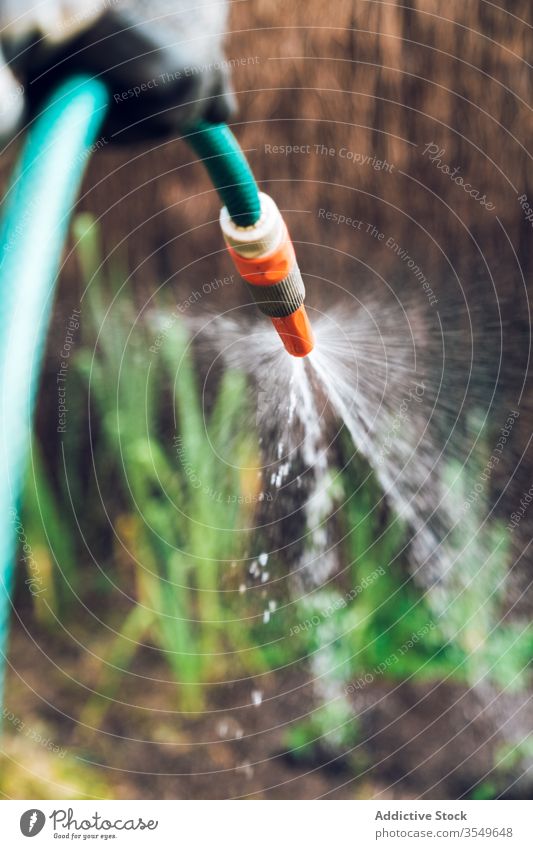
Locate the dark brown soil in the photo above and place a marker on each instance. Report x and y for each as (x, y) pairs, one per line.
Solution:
(416, 741)
(154, 751)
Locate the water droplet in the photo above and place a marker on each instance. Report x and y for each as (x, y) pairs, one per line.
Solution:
(247, 769)
(229, 729)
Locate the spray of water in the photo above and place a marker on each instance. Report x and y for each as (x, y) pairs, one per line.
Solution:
(420, 394)
(383, 376)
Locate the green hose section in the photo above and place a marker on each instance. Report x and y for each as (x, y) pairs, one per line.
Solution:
(228, 169)
(35, 215)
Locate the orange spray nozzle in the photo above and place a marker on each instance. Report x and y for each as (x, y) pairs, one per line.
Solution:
(264, 257)
(295, 332)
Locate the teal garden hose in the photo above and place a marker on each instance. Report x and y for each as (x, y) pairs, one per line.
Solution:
(36, 213)
(229, 171)
(35, 218)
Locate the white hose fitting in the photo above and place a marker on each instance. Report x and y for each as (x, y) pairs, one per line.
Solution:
(260, 238)
(264, 257)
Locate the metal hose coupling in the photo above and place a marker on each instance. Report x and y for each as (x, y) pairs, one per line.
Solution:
(264, 256)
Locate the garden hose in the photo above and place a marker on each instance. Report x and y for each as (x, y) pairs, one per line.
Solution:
(35, 218)
(256, 237)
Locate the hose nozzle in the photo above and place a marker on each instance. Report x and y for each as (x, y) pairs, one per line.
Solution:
(296, 333)
(264, 256)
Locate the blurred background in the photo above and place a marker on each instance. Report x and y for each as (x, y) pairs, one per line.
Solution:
(193, 636)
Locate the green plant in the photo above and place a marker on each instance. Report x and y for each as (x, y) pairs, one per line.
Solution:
(486, 790)
(379, 627)
(173, 519)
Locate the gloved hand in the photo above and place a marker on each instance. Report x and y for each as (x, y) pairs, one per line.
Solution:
(161, 59)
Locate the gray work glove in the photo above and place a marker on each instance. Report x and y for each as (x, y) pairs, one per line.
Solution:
(161, 60)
